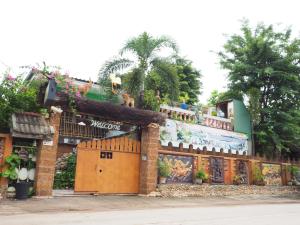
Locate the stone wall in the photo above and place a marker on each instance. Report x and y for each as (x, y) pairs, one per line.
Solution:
(232, 164)
(205, 190)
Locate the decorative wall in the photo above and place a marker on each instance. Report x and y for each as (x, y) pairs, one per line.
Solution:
(181, 168)
(217, 169)
(199, 136)
(242, 170)
(272, 173)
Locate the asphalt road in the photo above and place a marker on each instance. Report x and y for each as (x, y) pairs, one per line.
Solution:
(265, 214)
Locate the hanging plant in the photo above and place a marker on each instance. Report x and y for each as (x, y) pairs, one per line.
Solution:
(11, 172)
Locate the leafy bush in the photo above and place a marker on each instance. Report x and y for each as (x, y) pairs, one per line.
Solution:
(237, 179)
(65, 178)
(13, 161)
(293, 170)
(16, 96)
(164, 169)
(258, 177)
(150, 101)
(201, 175)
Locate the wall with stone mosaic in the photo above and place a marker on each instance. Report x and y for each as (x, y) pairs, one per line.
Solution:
(226, 168)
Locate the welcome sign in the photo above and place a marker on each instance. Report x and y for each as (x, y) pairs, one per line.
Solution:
(105, 125)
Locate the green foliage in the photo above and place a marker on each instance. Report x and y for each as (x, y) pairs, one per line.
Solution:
(293, 170)
(171, 76)
(189, 81)
(144, 48)
(163, 169)
(201, 174)
(150, 101)
(214, 98)
(258, 177)
(263, 65)
(15, 96)
(237, 179)
(13, 161)
(64, 179)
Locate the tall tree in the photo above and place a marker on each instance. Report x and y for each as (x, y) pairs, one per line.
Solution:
(188, 77)
(189, 80)
(15, 96)
(145, 50)
(263, 65)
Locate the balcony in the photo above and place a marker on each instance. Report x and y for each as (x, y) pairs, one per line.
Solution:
(189, 116)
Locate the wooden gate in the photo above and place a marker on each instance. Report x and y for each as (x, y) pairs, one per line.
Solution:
(108, 166)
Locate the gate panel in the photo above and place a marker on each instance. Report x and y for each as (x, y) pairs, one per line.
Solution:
(86, 170)
(108, 166)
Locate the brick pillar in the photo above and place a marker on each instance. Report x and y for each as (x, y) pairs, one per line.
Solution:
(46, 159)
(7, 152)
(149, 155)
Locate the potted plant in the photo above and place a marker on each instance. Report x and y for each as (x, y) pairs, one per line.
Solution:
(237, 180)
(200, 176)
(164, 171)
(14, 173)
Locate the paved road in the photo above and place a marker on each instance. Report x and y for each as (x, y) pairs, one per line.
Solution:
(268, 214)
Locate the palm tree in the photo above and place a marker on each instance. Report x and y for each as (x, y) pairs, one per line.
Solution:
(145, 50)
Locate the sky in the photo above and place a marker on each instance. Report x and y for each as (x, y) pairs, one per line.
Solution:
(80, 35)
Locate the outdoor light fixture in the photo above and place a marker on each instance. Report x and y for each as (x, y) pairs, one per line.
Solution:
(81, 124)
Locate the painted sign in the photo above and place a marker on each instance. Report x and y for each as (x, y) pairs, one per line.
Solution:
(200, 136)
(271, 173)
(181, 168)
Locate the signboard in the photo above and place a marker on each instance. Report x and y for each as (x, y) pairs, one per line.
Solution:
(106, 125)
(200, 136)
(48, 142)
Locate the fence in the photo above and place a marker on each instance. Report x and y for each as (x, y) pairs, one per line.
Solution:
(224, 168)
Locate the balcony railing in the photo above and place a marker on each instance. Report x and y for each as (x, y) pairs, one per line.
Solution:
(191, 117)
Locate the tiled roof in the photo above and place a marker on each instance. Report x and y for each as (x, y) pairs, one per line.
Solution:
(30, 125)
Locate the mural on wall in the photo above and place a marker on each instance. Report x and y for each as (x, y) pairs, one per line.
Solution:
(181, 168)
(200, 136)
(217, 170)
(242, 171)
(272, 173)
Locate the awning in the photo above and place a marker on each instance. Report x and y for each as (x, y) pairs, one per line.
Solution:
(30, 125)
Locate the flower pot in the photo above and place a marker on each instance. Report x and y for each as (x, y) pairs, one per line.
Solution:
(198, 181)
(22, 190)
(162, 180)
(260, 183)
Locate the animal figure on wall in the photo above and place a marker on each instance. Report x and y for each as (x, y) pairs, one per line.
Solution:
(115, 83)
(128, 101)
(83, 89)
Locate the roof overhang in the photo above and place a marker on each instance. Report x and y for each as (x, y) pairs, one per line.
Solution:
(30, 125)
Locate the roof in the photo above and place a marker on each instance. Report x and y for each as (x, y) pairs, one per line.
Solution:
(120, 113)
(30, 125)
